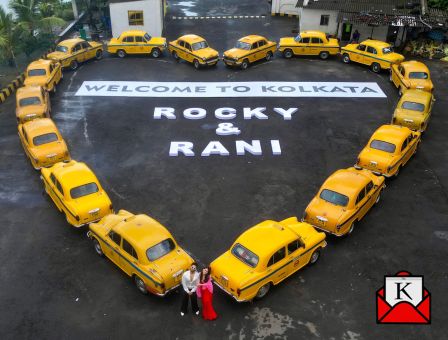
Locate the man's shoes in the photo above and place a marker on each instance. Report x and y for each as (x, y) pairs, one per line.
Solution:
(182, 313)
(197, 313)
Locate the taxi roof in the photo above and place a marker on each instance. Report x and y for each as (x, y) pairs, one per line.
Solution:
(375, 43)
(39, 126)
(133, 32)
(29, 91)
(266, 237)
(347, 181)
(191, 38)
(71, 42)
(415, 66)
(74, 173)
(251, 38)
(312, 33)
(418, 96)
(142, 231)
(40, 63)
(394, 134)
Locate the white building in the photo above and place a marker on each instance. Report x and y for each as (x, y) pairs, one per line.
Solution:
(284, 7)
(146, 15)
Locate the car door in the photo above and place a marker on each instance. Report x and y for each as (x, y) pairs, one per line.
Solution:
(46, 102)
(316, 45)
(254, 52)
(277, 266)
(140, 45)
(407, 148)
(129, 259)
(88, 51)
(112, 250)
(295, 256)
(262, 49)
(188, 53)
(25, 142)
(128, 44)
(358, 56)
(360, 207)
(304, 46)
(78, 52)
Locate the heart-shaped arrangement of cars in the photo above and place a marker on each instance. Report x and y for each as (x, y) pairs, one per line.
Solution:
(270, 251)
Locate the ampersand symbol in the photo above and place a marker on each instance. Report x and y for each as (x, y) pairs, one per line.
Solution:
(227, 129)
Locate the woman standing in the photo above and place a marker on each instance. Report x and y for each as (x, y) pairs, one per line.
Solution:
(205, 293)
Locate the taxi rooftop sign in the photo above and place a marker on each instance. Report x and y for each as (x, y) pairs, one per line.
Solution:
(230, 89)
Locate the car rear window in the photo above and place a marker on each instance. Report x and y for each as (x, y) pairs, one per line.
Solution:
(382, 146)
(160, 249)
(63, 49)
(413, 106)
(418, 75)
(245, 255)
(199, 45)
(45, 139)
(84, 190)
(334, 197)
(37, 72)
(147, 37)
(29, 101)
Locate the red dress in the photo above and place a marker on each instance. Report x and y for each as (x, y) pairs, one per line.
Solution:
(206, 294)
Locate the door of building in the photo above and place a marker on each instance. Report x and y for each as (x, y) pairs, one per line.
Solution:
(346, 31)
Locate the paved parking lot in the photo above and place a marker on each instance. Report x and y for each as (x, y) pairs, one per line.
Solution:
(53, 285)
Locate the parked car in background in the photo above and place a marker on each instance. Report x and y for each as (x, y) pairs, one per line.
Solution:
(32, 102)
(414, 110)
(136, 42)
(193, 49)
(411, 75)
(248, 50)
(45, 73)
(309, 43)
(72, 52)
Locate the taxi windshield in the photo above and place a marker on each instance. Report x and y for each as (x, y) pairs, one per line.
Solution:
(334, 197)
(84, 190)
(45, 139)
(245, 255)
(382, 146)
(242, 45)
(29, 101)
(37, 72)
(199, 45)
(413, 106)
(62, 49)
(418, 75)
(160, 249)
(387, 50)
(147, 37)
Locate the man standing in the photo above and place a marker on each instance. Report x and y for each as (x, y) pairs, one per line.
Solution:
(190, 281)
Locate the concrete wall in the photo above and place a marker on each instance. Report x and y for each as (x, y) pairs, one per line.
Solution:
(152, 16)
(310, 20)
(284, 7)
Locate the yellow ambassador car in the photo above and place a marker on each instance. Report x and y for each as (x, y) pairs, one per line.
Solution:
(411, 75)
(136, 42)
(414, 110)
(389, 149)
(32, 102)
(42, 142)
(45, 73)
(344, 198)
(265, 255)
(309, 43)
(76, 192)
(374, 53)
(248, 50)
(72, 52)
(143, 248)
(194, 49)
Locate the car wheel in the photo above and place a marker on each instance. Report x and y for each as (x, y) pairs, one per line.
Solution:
(121, 53)
(378, 198)
(74, 65)
(62, 76)
(155, 53)
(346, 58)
(376, 68)
(54, 88)
(175, 56)
(397, 172)
(263, 291)
(99, 54)
(196, 64)
(390, 76)
(140, 285)
(315, 256)
(288, 54)
(269, 56)
(324, 55)
(245, 64)
(350, 230)
(400, 92)
(97, 247)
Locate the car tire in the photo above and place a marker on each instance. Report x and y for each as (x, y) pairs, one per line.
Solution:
(376, 67)
(140, 285)
(74, 65)
(175, 56)
(99, 55)
(350, 230)
(196, 64)
(324, 55)
(378, 198)
(397, 172)
(400, 92)
(97, 247)
(346, 58)
(263, 291)
(155, 53)
(315, 256)
(121, 53)
(390, 76)
(244, 64)
(288, 54)
(269, 56)
(54, 89)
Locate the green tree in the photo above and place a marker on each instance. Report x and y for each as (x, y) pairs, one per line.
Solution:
(7, 37)
(440, 4)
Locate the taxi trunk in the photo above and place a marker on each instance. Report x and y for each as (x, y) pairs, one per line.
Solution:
(171, 267)
(324, 215)
(93, 207)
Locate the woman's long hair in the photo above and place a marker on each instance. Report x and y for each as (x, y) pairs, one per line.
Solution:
(206, 277)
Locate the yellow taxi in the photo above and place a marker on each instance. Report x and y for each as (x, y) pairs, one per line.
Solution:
(344, 198)
(45, 73)
(76, 192)
(309, 43)
(194, 49)
(42, 142)
(32, 102)
(136, 42)
(414, 110)
(143, 248)
(248, 50)
(374, 53)
(265, 255)
(72, 52)
(411, 75)
(389, 149)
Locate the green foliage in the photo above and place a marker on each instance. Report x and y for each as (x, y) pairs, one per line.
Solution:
(440, 4)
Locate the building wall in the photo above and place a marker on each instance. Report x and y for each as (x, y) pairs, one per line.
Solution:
(152, 16)
(310, 20)
(284, 7)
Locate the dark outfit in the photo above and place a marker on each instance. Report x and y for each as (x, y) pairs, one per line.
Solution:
(189, 285)
(194, 302)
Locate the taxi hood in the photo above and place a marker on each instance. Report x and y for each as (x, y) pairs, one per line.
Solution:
(206, 53)
(235, 53)
(287, 41)
(157, 41)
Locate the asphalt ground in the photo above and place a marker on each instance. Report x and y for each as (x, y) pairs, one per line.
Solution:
(53, 285)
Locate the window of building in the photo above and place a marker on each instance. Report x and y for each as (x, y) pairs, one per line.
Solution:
(135, 18)
(324, 20)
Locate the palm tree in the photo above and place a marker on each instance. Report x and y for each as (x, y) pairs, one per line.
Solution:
(7, 37)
